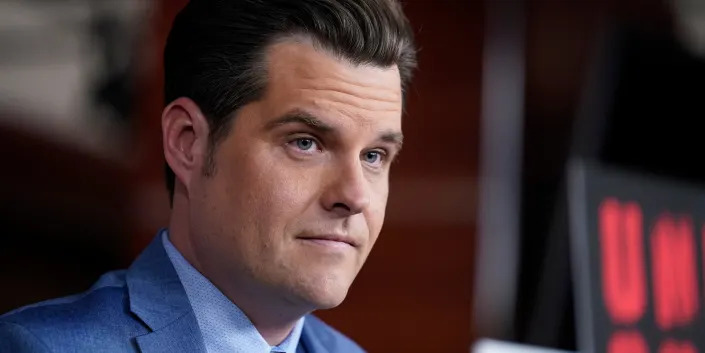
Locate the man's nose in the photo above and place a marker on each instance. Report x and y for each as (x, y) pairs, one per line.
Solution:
(348, 191)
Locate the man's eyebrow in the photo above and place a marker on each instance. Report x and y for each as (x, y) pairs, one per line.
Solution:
(300, 117)
(393, 137)
(303, 117)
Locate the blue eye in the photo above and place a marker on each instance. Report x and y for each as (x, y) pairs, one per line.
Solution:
(372, 157)
(305, 144)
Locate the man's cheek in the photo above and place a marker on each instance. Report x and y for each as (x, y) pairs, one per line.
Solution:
(293, 186)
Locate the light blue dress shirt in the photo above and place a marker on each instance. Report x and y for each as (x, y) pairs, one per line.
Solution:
(224, 327)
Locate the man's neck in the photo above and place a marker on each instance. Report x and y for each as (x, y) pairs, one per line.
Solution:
(273, 317)
(273, 328)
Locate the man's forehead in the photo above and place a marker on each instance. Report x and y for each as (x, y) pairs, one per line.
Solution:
(303, 77)
(301, 61)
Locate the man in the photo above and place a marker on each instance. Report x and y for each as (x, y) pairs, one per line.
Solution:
(282, 120)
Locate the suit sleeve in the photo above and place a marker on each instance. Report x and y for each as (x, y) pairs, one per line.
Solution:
(15, 338)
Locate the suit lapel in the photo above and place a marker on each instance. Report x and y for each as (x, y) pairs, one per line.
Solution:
(159, 300)
(311, 339)
(301, 348)
(182, 335)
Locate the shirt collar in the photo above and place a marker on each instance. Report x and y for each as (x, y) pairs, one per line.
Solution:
(224, 327)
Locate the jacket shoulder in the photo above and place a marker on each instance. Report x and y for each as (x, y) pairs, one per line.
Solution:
(97, 318)
(16, 338)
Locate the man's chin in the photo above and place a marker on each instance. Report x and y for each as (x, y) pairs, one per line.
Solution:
(326, 296)
(330, 302)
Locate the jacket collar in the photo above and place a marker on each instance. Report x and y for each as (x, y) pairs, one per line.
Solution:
(159, 300)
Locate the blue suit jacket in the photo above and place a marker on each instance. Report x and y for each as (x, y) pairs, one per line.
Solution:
(141, 309)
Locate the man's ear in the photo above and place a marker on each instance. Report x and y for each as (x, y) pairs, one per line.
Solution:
(185, 139)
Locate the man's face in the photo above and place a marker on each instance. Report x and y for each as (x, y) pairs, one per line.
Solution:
(300, 186)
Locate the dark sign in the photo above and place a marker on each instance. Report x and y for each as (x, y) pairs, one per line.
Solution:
(637, 249)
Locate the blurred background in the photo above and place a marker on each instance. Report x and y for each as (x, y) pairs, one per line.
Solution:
(475, 242)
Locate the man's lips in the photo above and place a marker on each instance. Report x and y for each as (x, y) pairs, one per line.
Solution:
(331, 238)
